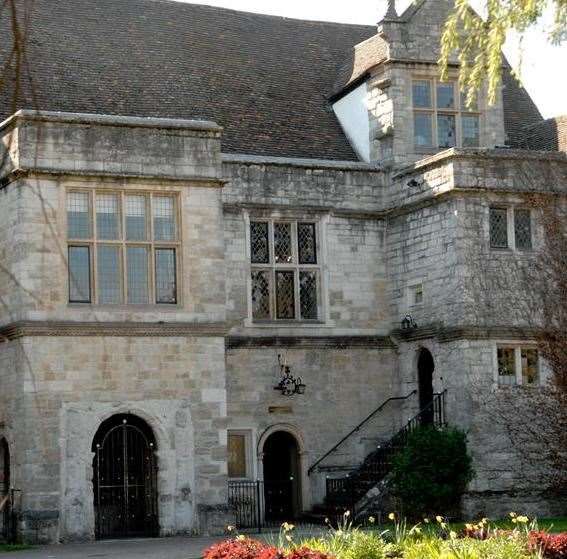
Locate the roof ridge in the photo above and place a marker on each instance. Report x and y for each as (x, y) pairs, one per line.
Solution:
(260, 14)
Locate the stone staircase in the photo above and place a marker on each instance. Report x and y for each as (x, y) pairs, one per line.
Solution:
(362, 491)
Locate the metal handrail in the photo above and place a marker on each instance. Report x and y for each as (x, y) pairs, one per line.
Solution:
(357, 428)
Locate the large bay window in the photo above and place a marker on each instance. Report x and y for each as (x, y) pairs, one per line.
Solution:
(285, 270)
(441, 118)
(127, 254)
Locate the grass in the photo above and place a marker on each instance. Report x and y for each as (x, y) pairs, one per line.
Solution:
(13, 547)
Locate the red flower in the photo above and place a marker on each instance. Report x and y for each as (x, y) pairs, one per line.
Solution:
(552, 546)
(243, 548)
(306, 553)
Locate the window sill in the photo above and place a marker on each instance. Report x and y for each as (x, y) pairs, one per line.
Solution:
(287, 324)
(167, 307)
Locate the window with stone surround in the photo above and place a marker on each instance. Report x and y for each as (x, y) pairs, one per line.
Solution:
(510, 228)
(239, 445)
(123, 247)
(441, 117)
(517, 364)
(285, 270)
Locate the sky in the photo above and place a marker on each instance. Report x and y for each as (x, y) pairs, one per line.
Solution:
(544, 67)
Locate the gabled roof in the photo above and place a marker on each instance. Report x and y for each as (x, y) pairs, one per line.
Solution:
(265, 79)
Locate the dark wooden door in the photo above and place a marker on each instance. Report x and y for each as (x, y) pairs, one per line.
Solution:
(425, 368)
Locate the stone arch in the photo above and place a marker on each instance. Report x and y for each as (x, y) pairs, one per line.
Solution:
(296, 433)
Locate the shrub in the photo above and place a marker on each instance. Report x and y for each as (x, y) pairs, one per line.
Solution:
(239, 548)
(432, 471)
(552, 546)
(306, 553)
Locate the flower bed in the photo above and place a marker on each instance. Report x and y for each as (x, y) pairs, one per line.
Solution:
(427, 540)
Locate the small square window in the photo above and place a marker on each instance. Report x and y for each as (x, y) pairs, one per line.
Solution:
(422, 130)
(498, 228)
(506, 357)
(523, 229)
(422, 94)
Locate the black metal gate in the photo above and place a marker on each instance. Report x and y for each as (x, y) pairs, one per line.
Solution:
(125, 479)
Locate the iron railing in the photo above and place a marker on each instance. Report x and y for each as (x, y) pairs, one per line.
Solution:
(358, 427)
(343, 493)
(261, 504)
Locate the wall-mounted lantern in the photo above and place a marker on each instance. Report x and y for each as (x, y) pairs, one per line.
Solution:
(408, 323)
(288, 384)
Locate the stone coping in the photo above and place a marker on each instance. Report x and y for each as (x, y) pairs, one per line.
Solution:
(110, 120)
(246, 159)
(479, 154)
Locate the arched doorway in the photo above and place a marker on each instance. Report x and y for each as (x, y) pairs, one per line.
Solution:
(282, 487)
(124, 480)
(425, 368)
(4, 489)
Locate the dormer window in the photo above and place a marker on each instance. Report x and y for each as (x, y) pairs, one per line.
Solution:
(441, 118)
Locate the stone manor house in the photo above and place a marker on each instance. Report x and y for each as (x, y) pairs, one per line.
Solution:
(231, 243)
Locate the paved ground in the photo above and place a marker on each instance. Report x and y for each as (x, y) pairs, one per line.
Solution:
(147, 548)
(158, 548)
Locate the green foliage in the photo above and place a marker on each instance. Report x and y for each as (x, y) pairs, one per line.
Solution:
(432, 471)
(478, 41)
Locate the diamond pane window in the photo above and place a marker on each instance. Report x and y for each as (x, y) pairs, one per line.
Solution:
(136, 225)
(498, 228)
(78, 215)
(107, 217)
(445, 95)
(137, 275)
(471, 131)
(529, 358)
(109, 274)
(285, 295)
(523, 229)
(421, 93)
(79, 274)
(282, 243)
(422, 130)
(446, 131)
(287, 286)
(164, 218)
(308, 295)
(166, 276)
(259, 246)
(506, 366)
(260, 294)
(306, 243)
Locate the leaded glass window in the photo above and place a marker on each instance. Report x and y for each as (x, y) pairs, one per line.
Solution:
(498, 228)
(166, 277)
(259, 245)
(422, 129)
(441, 118)
(107, 217)
(421, 93)
(78, 215)
(164, 218)
(79, 274)
(446, 131)
(470, 130)
(523, 229)
(285, 295)
(132, 258)
(285, 275)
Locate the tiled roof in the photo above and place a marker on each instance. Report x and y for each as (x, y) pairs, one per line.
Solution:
(547, 135)
(265, 79)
